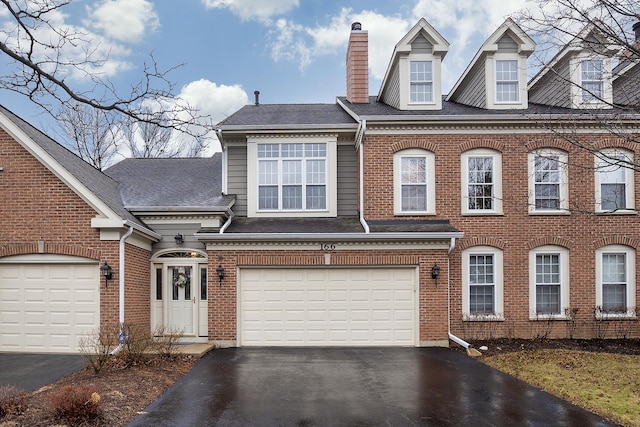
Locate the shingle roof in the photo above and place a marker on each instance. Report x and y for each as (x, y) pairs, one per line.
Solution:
(288, 115)
(171, 183)
(450, 109)
(105, 188)
(339, 225)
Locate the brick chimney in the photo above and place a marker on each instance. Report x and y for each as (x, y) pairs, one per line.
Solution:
(358, 65)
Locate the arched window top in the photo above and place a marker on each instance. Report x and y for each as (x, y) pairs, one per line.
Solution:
(191, 254)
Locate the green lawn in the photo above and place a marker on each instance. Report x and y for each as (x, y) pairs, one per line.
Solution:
(606, 384)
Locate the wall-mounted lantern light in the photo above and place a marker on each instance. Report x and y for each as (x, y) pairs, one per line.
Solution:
(105, 271)
(220, 271)
(179, 239)
(435, 272)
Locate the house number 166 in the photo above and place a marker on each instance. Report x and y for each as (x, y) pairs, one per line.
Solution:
(328, 246)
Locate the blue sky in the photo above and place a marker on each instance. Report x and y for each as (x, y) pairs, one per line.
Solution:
(293, 51)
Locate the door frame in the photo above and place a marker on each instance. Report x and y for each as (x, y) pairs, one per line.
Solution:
(160, 264)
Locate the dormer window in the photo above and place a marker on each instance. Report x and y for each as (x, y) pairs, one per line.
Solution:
(507, 87)
(591, 77)
(421, 81)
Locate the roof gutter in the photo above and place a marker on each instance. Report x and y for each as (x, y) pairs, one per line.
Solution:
(337, 237)
(133, 226)
(362, 129)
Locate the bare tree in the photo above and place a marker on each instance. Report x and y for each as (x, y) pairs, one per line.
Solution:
(91, 133)
(44, 57)
(146, 139)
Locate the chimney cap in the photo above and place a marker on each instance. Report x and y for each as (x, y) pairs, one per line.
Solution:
(256, 93)
(356, 26)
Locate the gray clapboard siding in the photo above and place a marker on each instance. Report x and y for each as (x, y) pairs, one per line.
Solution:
(347, 180)
(507, 45)
(237, 178)
(554, 88)
(626, 88)
(421, 45)
(391, 95)
(473, 91)
(168, 231)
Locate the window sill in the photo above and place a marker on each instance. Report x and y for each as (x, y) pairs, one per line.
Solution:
(616, 316)
(549, 212)
(483, 318)
(547, 317)
(414, 213)
(618, 212)
(482, 213)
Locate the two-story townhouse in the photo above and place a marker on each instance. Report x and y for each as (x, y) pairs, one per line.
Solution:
(527, 178)
(503, 208)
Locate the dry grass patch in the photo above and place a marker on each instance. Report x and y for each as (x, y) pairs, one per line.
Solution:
(603, 383)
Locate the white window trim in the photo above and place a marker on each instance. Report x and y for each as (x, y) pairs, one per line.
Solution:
(563, 159)
(629, 182)
(252, 176)
(497, 178)
(498, 262)
(631, 281)
(575, 68)
(405, 83)
(491, 82)
(564, 282)
(397, 181)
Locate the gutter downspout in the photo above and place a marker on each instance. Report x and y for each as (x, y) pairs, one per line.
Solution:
(227, 223)
(452, 337)
(124, 237)
(360, 147)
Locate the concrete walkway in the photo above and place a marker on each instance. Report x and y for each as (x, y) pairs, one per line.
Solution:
(354, 387)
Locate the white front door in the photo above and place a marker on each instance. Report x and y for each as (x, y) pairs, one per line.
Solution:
(182, 295)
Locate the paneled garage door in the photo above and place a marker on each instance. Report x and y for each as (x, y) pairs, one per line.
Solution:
(328, 307)
(47, 307)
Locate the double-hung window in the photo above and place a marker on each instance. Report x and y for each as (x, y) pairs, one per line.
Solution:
(614, 181)
(414, 182)
(292, 176)
(549, 276)
(591, 80)
(548, 181)
(420, 82)
(615, 270)
(507, 78)
(482, 290)
(482, 187)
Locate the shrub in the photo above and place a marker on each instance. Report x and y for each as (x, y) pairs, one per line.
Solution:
(12, 400)
(166, 341)
(96, 346)
(76, 404)
(136, 341)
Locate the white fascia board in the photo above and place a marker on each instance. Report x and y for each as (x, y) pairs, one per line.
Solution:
(57, 169)
(338, 237)
(107, 225)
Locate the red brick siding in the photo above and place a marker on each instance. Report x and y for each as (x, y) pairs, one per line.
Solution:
(37, 206)
(516, 232)
(433, 300)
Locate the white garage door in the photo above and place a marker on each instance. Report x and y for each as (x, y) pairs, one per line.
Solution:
(328, 307)
(47, 307)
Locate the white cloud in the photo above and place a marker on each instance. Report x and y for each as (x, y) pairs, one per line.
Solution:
(85, 54)
(296, 43)
(253, 9)
(217, 101)
(123, 20)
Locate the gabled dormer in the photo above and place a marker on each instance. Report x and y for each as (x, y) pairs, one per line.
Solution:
(579, 76)
(413, 78)
(496, 78)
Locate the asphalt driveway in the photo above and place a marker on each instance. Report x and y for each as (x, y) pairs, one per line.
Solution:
(32, 371)
(354, 387)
